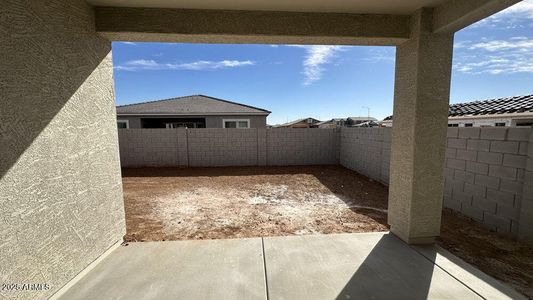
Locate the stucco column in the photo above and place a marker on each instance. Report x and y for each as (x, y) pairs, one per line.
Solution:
(60, 182)
(421, 96)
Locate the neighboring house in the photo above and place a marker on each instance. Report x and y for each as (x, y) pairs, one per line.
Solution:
(352, 121)
(333, 123)
(300, 123)
(197, 111)
(367, 124)
(509, 111)
(387, 122)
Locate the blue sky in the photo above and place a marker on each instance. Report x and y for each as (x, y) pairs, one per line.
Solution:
(492, 58)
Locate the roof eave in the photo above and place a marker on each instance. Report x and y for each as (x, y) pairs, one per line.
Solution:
(194, 114)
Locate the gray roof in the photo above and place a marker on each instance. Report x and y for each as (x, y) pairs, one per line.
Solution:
(514, 104)
(330, 121)
(315, 121)
(362, 118)
(190, 105)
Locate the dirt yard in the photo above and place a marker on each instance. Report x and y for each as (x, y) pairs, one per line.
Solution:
(500, 256)
(211, 203)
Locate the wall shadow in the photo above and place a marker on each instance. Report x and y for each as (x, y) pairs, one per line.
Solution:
(392, 270)
(43, 67)
(360, 193)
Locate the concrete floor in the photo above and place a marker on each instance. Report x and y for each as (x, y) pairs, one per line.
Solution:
(336, 266)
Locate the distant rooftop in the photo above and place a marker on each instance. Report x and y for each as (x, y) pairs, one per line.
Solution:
(190, 105)
(515, 104)
(313, 121)
(362, 118)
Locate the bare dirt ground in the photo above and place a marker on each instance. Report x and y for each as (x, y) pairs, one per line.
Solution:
(213, 203)
(500, 256)
(235, 202)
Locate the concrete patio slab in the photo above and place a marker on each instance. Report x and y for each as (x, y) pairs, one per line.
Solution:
(483, 284)
(214, 269)
(354, 266)
(334, 266)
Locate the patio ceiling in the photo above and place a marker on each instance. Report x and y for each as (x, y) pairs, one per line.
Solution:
(378, 22)
(332, 6)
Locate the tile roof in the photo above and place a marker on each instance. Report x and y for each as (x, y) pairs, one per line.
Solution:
(515, 104)
(190, 105)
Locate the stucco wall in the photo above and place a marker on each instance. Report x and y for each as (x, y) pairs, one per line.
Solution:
(216, 121)
(134, 122)
(210, 121)
(60, 185)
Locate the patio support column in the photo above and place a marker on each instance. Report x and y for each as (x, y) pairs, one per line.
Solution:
(421, 96)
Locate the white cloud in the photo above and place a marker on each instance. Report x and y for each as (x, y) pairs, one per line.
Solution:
(521, 9)
(514, 43)
(128, 43)
(514, 55)
(316, 57)
(379, 55)
(144, 64)
(510, 18)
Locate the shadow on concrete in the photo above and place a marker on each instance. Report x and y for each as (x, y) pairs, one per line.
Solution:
(361, 194)
(485, 285)
(392, 270)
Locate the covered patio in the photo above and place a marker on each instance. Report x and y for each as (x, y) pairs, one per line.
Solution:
(334, 266)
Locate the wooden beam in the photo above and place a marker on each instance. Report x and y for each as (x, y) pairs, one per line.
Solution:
(226, 26)
(455, 15)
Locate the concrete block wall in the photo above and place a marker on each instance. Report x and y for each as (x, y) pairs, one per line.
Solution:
(152, 147)
(484, 175)
(215, 147)
(488, 174)
(525, 229)
(366, 150)
(302, 146)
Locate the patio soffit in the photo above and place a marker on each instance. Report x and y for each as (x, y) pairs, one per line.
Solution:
(404, 7)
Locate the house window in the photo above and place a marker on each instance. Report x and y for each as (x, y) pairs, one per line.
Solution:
(123, 124)
(184, 125)
(237, 123)
(469, 124)
(499, 124)
(453, 125)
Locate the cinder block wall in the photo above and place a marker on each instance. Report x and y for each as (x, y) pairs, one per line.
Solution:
(60, 184)
(484, 175)
(302, 146)
(488, 174)
(525, 230)
(367, 151)
(214, 147)
(152, 147)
